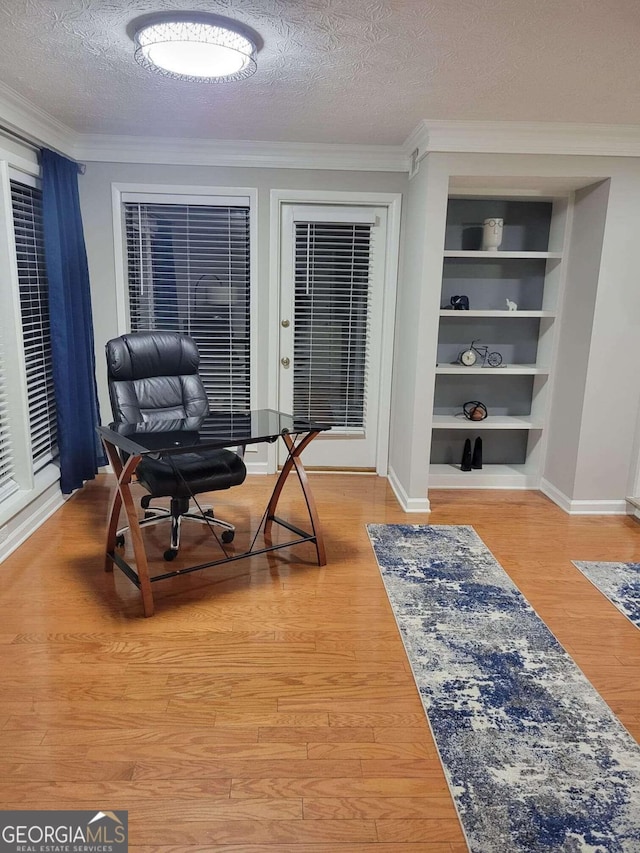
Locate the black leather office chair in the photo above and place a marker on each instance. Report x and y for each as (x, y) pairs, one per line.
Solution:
(153, 376)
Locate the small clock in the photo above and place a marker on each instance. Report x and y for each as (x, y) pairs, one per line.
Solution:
(468, 357)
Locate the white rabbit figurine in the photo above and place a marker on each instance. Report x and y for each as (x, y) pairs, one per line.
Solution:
(512, 306)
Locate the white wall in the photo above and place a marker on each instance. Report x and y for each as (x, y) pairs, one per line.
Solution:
(416, 336)
(96, 204)
(572, 362)
(613, 385)
(591, 448)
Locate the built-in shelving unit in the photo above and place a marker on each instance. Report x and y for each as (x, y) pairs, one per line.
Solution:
(527, 270)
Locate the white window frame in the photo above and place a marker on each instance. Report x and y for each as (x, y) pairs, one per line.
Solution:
(177, 194)
(307, 214)
(393, 204)
(30, 486)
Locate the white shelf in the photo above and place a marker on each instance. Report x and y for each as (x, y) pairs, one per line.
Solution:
(479, 255)
(533, 280)
(507, 370)
(460, 315)
(487, 477)
(490, 422)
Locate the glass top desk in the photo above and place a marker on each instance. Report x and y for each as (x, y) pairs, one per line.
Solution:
(126, 444)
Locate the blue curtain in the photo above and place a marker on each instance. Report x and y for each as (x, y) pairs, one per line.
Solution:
(72, 352)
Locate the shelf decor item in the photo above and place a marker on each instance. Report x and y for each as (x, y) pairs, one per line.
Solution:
(474, 410)
(465, 464)
(460, 303)
(489, 358)
(492, 234)
(476, 459)
(511, 305)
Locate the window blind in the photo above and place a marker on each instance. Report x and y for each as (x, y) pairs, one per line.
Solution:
(188, 271)
(331, 313)
(34, 307)
(7, 483)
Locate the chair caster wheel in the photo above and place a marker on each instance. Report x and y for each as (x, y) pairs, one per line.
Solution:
(145, 501)
(120, 541)
(170, 554)
(228, 535)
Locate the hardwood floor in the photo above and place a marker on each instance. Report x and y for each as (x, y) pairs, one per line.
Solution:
(268, 706)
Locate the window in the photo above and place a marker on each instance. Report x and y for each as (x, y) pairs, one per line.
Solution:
(34, 309)
(188, 271)
(332, 292)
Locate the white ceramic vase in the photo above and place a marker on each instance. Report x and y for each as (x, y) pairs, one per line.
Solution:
(492, 234)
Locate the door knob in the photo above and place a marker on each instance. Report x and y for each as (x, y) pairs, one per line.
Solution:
(285, 362)
(284, 324)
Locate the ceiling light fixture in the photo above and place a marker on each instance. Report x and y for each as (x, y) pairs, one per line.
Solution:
(195, 46)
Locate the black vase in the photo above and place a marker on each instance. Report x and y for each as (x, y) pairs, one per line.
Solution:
(476, 459)
(465, 465)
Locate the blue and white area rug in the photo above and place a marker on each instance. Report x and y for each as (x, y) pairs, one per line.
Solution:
(619, 582)
(535, 759)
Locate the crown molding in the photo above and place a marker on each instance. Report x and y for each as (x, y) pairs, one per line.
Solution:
(38, 127)
(481, 137)
(34, 125)
(247, 153)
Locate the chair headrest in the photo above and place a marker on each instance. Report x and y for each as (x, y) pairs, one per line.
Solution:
(140, 355)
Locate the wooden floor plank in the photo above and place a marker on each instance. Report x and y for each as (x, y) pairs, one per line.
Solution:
(362, 786)
(276, 832)
(237, 768)
(434, 807)
(306, 847)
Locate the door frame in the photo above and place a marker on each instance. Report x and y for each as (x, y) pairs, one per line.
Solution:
(392, 202)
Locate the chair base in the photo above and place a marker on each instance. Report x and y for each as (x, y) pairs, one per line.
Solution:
(178, 511)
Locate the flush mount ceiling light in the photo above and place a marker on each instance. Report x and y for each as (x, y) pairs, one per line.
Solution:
(195, 46)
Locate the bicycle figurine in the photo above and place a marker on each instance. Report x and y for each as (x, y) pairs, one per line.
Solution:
(470, 356)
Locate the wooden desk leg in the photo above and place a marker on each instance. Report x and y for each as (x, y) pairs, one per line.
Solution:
(294, 461)
(116, 505)
(124, 474)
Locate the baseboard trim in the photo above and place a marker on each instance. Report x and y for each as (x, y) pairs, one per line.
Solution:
(256, 467)
(408, 504)
(633, 507)
(590, 507)
(20, 528)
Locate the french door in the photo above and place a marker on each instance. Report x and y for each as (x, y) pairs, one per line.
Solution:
(330, 332)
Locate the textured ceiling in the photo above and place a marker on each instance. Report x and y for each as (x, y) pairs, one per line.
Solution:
(350, 71)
